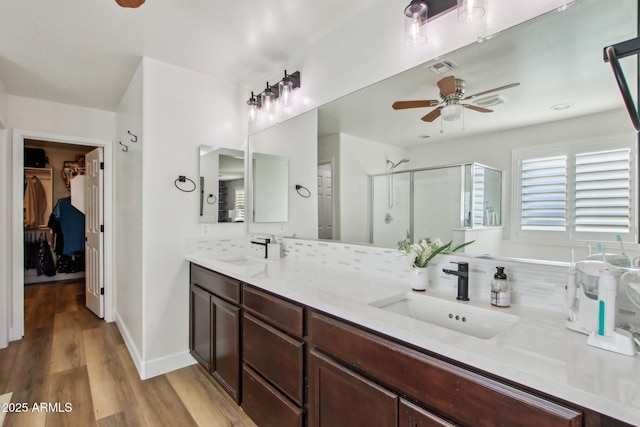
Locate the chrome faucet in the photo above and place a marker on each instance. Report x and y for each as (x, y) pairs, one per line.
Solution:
(463, 279)
(265, 244)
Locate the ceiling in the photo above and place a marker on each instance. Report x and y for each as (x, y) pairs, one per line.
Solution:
(556, 58)
(84, 52)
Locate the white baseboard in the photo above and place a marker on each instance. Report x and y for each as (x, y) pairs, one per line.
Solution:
(133, 349)
(169, 363)
(153, 368)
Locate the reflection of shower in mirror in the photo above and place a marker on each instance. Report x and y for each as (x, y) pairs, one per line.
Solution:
(390, 180)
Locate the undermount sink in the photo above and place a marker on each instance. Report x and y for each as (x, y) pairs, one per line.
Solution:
(244, 261)
(478, 322)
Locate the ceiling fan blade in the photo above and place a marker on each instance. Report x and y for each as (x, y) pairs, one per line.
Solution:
(447, 85)
(478, 109)
(432, 115)
(401, 105)
(492, 90)
(130, 3)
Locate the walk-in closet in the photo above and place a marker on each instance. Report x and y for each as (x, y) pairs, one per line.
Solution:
(54, 212)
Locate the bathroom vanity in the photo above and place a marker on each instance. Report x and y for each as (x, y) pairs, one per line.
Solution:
(316, 351)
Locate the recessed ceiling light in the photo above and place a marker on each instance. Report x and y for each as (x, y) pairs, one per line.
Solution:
(423, 136)
(560, 107)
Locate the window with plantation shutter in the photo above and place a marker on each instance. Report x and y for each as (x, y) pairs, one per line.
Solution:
(239, 214)
(576, 192)
(544, 194)
(603, 191)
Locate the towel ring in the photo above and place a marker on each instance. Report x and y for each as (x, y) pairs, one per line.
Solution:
(183, 178)
(209, 201)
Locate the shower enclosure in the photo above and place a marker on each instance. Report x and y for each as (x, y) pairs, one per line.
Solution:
(433, 202)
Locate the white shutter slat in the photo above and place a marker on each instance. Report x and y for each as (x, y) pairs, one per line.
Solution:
(602, 191)
(544, 194)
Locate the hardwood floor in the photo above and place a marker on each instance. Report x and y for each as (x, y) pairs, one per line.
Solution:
(70, 357)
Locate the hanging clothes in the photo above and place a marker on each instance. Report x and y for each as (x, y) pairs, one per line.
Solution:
(71, 224)
(35, 202)
(45, 258)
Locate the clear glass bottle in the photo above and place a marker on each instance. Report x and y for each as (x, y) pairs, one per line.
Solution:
(500, 292)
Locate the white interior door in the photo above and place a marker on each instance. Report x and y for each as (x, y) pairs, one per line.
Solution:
(325, 202)
(94, 190)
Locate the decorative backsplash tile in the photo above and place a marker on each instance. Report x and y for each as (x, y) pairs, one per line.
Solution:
(533, 284)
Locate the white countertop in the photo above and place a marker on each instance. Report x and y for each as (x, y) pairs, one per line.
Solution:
(537, 352)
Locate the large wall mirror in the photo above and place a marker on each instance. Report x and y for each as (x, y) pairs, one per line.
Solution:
(566, 93)
(221, 185)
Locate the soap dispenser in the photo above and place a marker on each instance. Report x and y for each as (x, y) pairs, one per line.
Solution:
(500, 292)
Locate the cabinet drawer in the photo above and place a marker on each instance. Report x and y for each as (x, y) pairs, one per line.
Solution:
(265, 405)
(461, 396)
(275, 355)
(222, 286)
(282, 314)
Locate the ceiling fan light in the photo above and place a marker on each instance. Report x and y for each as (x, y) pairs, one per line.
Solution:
(470, 10)
(416, 23)
(452, 112)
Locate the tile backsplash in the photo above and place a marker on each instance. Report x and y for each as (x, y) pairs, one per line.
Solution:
(533, 284)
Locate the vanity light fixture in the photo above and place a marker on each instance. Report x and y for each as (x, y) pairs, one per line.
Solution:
(253, 108)
(416, 22)
(265, 101)
(268, 98)
(285, 87)
(470, 10)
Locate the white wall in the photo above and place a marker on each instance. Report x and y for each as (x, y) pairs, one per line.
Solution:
(5, 244)
(296, 139)
(181, 110)
(128, 218)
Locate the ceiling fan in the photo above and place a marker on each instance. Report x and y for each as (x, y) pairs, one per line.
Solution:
(130, 3)
(450, 107)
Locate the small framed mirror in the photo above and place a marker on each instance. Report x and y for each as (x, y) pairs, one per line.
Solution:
(222, 185)
(270, 188)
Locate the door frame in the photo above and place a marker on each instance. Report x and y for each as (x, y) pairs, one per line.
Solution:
(16, 327)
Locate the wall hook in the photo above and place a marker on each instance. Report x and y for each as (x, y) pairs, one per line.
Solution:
(126, 148)
(134, 139)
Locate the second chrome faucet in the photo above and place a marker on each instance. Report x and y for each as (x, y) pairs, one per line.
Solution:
(463, 279)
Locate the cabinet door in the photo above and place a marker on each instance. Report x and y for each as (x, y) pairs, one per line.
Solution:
(225, 366)
(339, 397)
(200, 326)
(415, 416)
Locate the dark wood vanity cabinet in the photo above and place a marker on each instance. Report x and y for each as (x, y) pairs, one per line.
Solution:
(273, 360)
(215, 326)
(347, 358)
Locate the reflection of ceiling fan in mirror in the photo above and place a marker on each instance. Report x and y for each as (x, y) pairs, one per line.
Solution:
(450, 107)
(130, 3)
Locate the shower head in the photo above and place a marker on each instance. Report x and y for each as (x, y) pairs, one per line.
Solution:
(395, 165)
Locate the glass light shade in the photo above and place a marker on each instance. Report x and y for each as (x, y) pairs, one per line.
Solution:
(470, 10)
(452, 112)
(253, 108)
(285, 89)
(267, 101)
(416, 23)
